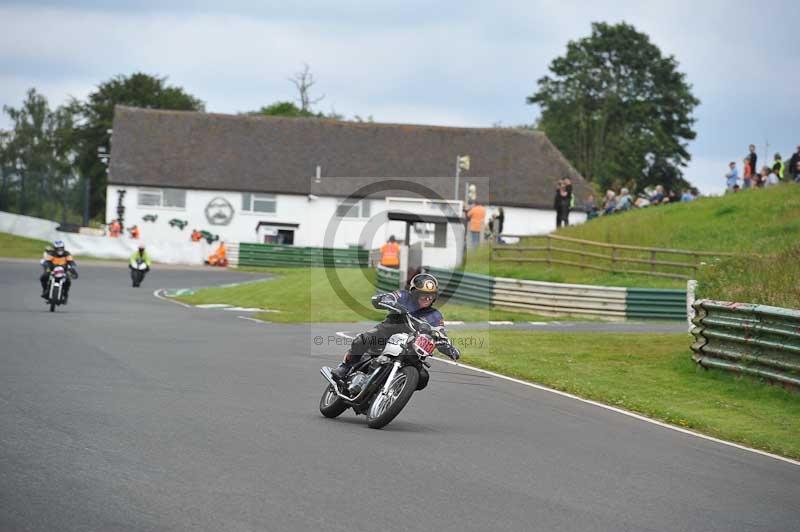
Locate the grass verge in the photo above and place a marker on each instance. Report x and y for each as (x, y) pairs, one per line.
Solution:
(18, 247)
(651, 374)
(293, 291)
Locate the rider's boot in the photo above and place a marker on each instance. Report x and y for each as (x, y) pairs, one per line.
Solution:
(341, 372)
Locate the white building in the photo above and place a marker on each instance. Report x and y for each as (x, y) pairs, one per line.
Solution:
(324, 183)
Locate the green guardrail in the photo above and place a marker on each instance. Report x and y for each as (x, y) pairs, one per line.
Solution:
(655, 303)
(276, 255)
(387, 279)
(756, 340)
(463, 287)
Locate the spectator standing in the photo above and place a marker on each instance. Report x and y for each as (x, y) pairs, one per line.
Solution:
(732, 177)
(794, 164)
(501, 218)
(752, 159)
(476, 215)
(778, 167)
(747, 173)
(561, 205)
(390, 253)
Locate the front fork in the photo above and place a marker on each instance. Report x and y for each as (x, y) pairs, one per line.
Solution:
(390, 378)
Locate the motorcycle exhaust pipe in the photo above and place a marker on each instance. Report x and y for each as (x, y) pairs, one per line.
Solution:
(326, 372)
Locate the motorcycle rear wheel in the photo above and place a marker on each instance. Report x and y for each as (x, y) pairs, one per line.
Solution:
(384, 408)
(330, 404)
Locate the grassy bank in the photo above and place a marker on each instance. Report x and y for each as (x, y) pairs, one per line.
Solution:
(765, 222)
(18, 247)
(652, 374)
(307, 295)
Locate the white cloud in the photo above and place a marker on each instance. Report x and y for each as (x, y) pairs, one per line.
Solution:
(451, 63)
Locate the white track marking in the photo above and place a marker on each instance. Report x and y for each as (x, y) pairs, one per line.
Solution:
(448, 323)
(621, 411)
(157, 293)
(213, 305)
(501, 323)
(248, 318)
(538, 322)
(343, 334)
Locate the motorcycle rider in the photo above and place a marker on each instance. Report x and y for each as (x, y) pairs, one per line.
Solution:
(140, 254)
(417, 301)
(58, 256)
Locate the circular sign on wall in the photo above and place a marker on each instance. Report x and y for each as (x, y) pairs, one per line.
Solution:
(219, 211)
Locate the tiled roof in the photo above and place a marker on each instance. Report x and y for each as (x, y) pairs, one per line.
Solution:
(280, 155)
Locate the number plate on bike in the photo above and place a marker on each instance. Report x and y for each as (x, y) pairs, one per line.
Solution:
(424, 345)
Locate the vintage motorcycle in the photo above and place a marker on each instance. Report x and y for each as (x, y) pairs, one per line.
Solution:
(381, 385)
(138, 269)
(55, 287)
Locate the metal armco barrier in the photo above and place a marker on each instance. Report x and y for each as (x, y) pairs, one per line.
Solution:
(553, 299)
(655, 303)
(276, 255)
(387, 279)
(756, 340)
(461, 287)
(560, 299)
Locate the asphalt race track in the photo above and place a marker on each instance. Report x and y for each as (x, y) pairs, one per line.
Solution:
(124, 412)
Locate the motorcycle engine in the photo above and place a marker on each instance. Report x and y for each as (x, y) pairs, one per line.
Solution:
(356, 383)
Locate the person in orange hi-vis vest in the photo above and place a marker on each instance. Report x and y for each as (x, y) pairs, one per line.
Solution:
(114, 229)
(476, 216)
(390, 253)
(219, 257)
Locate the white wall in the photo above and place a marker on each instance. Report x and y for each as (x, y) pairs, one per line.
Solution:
(102, 246)
(521, 221)
(314, 216)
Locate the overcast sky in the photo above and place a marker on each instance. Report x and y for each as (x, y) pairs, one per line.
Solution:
(445, 63)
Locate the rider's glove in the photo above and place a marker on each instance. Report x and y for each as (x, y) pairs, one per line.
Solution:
(450, 350)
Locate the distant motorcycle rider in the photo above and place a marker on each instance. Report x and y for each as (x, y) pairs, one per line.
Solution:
(417, 301)
(58, 256)
(140, 254)
(139, 257)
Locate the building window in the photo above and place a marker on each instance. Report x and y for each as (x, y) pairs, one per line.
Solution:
(149, 198)
(174, 198)
(350, 208)
(259, 202)
(157, 197)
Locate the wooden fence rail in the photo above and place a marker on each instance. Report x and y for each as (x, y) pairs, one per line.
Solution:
(501, 253)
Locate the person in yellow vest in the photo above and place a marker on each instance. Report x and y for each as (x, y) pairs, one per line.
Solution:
(390, 254)
(778, 167)
(476, 215)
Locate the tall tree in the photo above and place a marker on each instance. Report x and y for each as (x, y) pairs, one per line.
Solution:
(303, 81)
(618, 109)
(37, 153)
(97, 113)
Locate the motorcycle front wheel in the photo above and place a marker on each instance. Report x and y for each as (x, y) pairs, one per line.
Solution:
(385, 407)
(330, 404)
